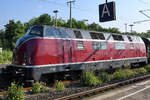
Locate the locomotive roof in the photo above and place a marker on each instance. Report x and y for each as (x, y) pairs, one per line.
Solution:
(87, 34)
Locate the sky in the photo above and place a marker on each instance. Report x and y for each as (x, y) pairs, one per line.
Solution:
(127, 11)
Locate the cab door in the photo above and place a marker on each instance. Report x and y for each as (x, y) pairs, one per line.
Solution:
(67, 51)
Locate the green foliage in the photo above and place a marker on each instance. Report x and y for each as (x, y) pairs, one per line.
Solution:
(15, 92)
(43, 19)
(59, 86)
(119, 75)
(13, 30)
(123, 73)
(38, 88)
(89, 79)
(141, 71)
(6, 57)
(147, 67)
(2, 37)
(104, 77)
(129, 72)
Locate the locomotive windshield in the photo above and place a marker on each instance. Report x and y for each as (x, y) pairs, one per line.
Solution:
(36, 30)
(52, 32)
(56, 32)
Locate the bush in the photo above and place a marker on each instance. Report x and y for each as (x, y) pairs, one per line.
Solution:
(119, 75)
(15, 92)
(38, 88)
(129, 73)
(104, 77)
(147, 67)
(123, 73)
(89, 79)
(59, 86)
(141, 71)
(6, 57)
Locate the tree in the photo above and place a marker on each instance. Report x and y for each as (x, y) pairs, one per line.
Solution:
(61, 22)
(93, 26)
(148, 33)
(13, 31)
(113, 30)
(81, 25)
(2, 38)
(43, 19)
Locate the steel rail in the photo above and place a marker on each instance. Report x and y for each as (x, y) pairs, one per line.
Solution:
(96, 90)
(6, 92)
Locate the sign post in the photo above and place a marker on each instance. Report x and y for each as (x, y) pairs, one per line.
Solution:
(107, 12)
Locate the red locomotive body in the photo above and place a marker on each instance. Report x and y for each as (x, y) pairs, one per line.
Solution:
(47, 49)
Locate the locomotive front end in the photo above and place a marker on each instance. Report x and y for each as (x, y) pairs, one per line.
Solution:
(25, 55)
(26, 47)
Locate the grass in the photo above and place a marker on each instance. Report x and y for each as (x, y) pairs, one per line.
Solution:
(59, 86)
(38, 88)
(104, 77)
(141, 71)
(15, 92)
(123, 74)
(89, 79)
(147, 67)
(6, 57)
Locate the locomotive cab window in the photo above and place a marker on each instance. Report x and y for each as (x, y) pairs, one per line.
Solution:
(118, 37)
(37, 30)
(130, 39)
(78, 34)
(52, 32)
(80, 45)
(97, 35)
(64, 33)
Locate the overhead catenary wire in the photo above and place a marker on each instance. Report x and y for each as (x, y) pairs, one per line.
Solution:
(64, 5)
(143, 2)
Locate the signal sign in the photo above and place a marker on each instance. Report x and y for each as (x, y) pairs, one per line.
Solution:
(107, 12)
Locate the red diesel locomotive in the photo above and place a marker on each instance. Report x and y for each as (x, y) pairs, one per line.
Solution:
(46, 50)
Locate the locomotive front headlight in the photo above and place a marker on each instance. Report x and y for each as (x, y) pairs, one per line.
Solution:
(27, 59)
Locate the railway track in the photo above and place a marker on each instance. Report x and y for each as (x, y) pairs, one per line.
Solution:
(89, 92)
(97, 90)
(93, 91)
(6, 92)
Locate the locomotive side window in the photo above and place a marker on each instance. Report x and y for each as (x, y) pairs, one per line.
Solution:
(99, 45)
(96, 45)
(78, 34)
(118, 37)
(131, 46)
(119, 46)
(80, 45)
(37, 30)
(130, 39)
(97, 35)
(52, 32)
(103, 45)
